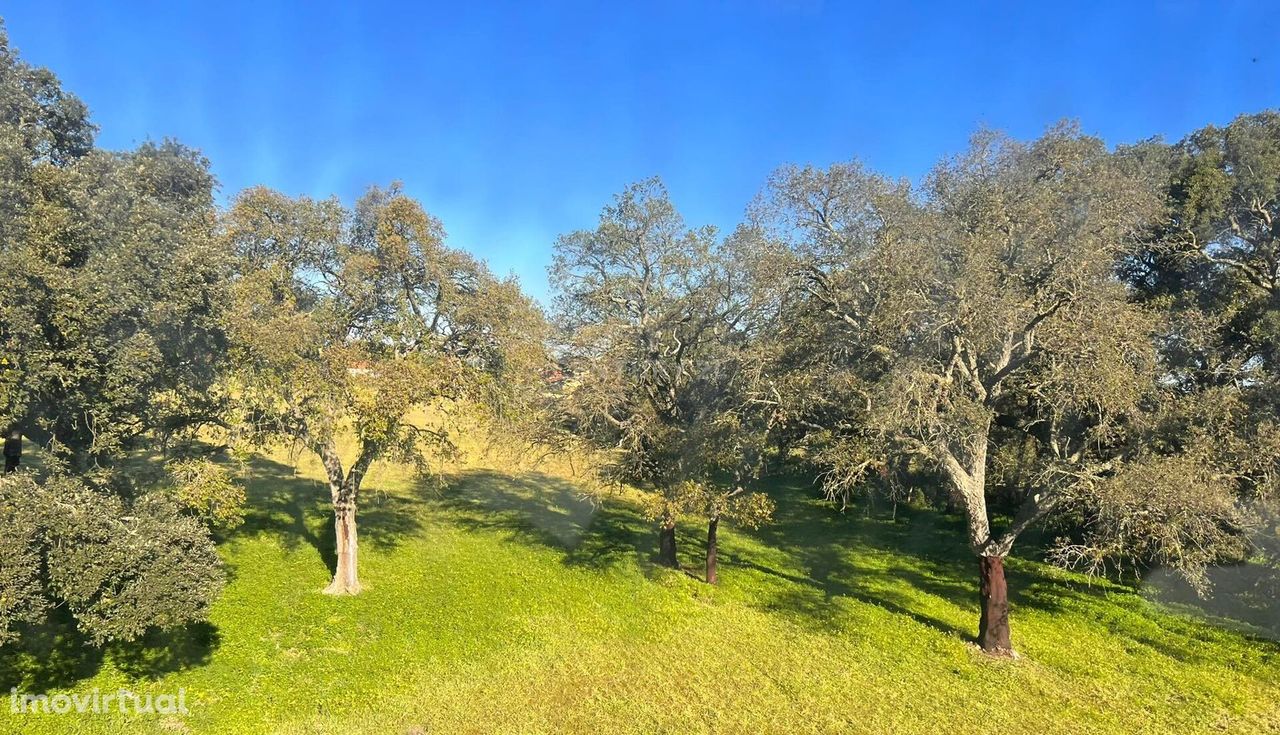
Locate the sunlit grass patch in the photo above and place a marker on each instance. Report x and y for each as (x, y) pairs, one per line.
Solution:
(502, 602)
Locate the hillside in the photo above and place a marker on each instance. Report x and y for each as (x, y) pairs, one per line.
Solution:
(506, 603)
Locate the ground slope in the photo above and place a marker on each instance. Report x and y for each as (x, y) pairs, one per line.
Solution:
(506, 604)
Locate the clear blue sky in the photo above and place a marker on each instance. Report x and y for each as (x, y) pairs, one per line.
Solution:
(514, 122)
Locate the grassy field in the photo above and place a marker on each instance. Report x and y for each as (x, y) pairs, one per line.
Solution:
(505, 603)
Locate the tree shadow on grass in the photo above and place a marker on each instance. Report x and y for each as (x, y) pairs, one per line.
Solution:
(815, 600)
(48, 655)
(55, 655)
(163, 652)
(820, 542)
(281, 504)
(296, 510)
(551, 512)
(923, 552)
(894, 563)
(1244, 595)
(544, 510)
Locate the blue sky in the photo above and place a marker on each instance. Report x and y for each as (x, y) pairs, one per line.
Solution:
(514, 122)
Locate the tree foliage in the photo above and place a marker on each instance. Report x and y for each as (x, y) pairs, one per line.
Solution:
(655, 337)
(111, 277)
(110, 339)
(1210, 264)
(364, 321)
(983, 312)
(120, 567)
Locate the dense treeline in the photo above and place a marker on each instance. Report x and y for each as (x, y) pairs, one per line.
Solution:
(1050, 332)
(113, 285)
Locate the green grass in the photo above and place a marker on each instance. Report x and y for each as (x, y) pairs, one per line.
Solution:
(507, 604)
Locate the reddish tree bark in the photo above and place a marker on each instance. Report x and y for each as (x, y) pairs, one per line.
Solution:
(712, 525)
(993, 627)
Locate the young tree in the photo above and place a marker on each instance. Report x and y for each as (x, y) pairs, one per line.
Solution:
(653, 337)
(350, 321)
(985, 302)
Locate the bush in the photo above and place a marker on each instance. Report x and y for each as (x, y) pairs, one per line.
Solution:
(119, 568)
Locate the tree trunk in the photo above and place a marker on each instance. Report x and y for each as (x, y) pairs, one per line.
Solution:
(12, 450)
(712, 525)
(667, 543)
(343, 492)
(993, 628)
(345, 579)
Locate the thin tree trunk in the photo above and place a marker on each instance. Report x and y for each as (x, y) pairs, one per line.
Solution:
(993, 627)
(712, 525)
(345, 578)
(667, 542)
(12, 450)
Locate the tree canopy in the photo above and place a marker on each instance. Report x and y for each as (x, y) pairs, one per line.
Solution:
(110, 342)
(111, 278)
(362, 320)
(653, 319)
(983, 311)
(1047, 332)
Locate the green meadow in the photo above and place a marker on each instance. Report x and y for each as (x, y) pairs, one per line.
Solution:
(506, 602)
